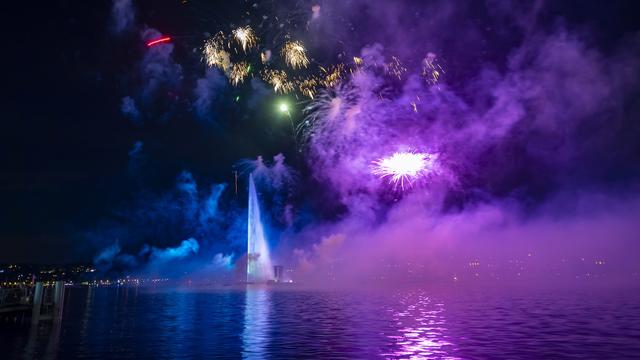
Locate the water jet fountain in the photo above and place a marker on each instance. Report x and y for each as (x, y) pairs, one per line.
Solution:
(259, 269)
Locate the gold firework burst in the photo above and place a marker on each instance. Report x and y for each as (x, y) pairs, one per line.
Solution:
(295, 55)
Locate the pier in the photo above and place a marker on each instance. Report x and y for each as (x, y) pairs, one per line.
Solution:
(39, 302)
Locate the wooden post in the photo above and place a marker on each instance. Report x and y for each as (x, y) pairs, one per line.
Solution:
(58, 301)
(37, 303)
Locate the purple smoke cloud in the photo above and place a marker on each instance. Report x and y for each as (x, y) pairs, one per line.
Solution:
(522, 143)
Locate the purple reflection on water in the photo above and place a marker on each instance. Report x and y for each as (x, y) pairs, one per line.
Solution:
(420, 330)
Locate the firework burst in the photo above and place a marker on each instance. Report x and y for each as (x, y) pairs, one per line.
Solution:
(431, 70)
(245, 37)
(308, 87)
(404, 167)
(278, 80)
(329, 104)
(215, 55)
(331, 111)
(333, 75)
(239, 72)
(295, 55)
(395, 68)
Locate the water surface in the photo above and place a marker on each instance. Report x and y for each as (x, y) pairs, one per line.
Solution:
(136, 323)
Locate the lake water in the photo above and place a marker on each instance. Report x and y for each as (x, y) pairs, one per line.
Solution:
(262, 322)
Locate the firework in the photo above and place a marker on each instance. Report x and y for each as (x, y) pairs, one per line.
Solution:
(395, 68)
(278, 79)
(239, 72)
(403, 167)
(308, 87)
(431, 70)
(158, 41)
(295, 55)
(332, 75)
(265, 56)
(333, 110)
(215, 55)
(245, 37)
(325, 107)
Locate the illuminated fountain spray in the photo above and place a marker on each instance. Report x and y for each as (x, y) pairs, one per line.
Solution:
(258, 262)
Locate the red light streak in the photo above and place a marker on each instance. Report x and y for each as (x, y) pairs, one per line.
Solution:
(158, 41)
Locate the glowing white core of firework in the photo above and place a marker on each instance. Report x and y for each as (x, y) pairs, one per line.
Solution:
(284, 107)
(403, 167)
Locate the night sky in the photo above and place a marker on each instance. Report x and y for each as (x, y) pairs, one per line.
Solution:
(66, 145)
(65, 157)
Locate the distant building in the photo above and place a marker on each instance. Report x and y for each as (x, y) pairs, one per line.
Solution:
(278, 271)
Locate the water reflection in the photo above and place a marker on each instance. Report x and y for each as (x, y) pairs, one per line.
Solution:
(262, 322)
(420, 330)
(255, 334)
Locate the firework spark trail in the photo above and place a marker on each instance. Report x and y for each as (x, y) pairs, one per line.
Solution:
(245, 37)
(159, 41)
(403, 167)
(295, 55)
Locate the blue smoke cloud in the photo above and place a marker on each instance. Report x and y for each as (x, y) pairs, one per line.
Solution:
(130, 110)
(187, 184)
(122, 15)
(136, 160)
(259, 92)
(209, 209)
(136, 150)
(107, 254)
(223, 261)
(186, 248)
(112, 257)
(187, 212)
(158, 69)
(208, 89)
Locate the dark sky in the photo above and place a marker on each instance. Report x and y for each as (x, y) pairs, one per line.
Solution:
(65, 143)
(65, 160)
